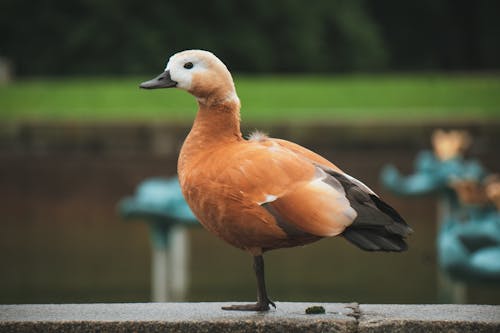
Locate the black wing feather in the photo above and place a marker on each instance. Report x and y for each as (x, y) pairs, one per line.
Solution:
(378, 226)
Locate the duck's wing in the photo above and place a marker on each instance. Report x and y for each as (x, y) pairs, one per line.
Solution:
(306, 153)
(323, 201)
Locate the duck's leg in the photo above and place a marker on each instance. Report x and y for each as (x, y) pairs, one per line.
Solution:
(263, 301)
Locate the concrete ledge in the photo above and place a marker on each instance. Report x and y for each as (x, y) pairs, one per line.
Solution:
(208, 317)
(429, 318)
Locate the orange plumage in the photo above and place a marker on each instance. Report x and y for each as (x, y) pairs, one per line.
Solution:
(262, 194)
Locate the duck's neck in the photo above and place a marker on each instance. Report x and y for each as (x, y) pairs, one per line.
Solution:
(217, 119)
(217, 122)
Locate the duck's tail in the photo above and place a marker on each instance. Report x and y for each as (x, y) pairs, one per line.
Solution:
(386, 232)
(378, 226)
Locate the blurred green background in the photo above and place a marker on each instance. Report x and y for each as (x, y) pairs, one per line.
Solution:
(77, 135)
(361, 97)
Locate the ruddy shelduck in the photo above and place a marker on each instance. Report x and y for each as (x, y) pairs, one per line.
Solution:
(261, 193)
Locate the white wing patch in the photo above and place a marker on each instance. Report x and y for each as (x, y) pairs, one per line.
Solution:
(268, 198)
(341, 209)
(318, 206)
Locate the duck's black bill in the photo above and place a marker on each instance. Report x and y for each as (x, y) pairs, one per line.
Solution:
(161, 81)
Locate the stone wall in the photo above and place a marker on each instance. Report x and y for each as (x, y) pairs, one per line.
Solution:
(166, 138)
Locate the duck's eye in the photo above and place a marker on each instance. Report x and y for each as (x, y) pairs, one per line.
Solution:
(188, 65)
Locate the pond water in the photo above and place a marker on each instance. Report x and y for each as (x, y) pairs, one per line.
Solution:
(62, 240)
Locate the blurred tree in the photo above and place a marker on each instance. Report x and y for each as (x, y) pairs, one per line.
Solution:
(440, 34)
(55, 37)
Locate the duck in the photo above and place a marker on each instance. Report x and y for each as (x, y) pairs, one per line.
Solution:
(262, 193)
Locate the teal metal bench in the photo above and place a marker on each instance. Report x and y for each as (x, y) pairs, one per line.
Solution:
(159, 202)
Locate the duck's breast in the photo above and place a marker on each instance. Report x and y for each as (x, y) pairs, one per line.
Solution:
(225, 189)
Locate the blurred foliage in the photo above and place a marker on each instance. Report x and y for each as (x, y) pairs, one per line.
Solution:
(440, 34)
(54, 37)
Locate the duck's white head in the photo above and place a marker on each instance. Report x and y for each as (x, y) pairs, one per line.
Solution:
(200, 73)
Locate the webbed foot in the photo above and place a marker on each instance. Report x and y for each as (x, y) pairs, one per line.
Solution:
(259, 306)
